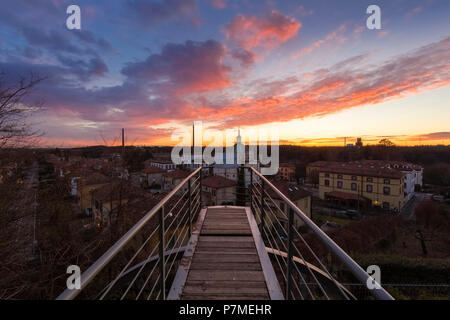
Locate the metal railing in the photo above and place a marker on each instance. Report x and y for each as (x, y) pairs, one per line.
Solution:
(293, 256)
(146, 257)
(142, 263)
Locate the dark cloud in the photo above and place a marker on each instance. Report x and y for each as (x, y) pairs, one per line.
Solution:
(89, 37)
(246, 57)
(153, 12)
(184, 68)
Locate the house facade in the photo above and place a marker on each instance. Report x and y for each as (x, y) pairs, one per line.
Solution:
(359, 186)
(217, 190)
(287, 171)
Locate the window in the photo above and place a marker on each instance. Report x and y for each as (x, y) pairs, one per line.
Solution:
(369, 188)
(327, 183)
(339, 176)
(339, 184)
(369, 179)
(327, 175)
(353, 177)
(387, 190)
(387, 181)
(353, 186)
(386, 205)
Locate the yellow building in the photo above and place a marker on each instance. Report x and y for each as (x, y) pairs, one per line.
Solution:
(86, 186)
(287, 171)
(356, 185)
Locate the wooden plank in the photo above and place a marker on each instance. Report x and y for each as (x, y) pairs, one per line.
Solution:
(227, 222)
(226, 275)
(196, 290)
(224, 210)
(205, 257)
(235, 250)
(225, 229)
(225, 225)
(226, 264)
(228, 227)
(226, 239)
(226, 216)
(226, 297)
(217, 231)
(206, 228)
(220, 246)
(232, 266)
(229, 219)
(228, 284)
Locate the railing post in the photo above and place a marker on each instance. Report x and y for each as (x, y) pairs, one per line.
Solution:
(251, 189)
(262, 207)
(190, 208)
(162, 271)
(201, 191)
(289, 255)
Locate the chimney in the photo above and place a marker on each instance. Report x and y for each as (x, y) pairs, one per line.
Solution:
(123, 139)
(193, 143)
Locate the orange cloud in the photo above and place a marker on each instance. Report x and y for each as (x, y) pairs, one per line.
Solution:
(344, 86)
(335, 35)
(270, 31)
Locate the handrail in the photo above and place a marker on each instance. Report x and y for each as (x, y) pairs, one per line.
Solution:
(354, 267)
(93, 270)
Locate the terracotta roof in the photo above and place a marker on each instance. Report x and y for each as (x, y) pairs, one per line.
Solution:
(115, 191)
(377, 167)
(96, 178)
(161, 161)
(218, 182)
(399, 165)
(294, 193)
(177, 174)
(288, 165)
(153, 169)
(365, 171)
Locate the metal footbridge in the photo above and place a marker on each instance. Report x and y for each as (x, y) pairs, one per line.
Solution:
(183, 250)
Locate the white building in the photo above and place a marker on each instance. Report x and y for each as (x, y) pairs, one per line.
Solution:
(231, 170)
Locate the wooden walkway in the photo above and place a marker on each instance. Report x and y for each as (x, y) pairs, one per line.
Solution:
(224, 262)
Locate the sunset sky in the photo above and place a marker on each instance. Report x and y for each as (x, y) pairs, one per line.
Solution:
(311, 69)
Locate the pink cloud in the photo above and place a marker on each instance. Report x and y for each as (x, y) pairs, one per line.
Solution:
(413, 12)
(269, 31)
(343, 86)
(184, 68)
(335, 35)
(219, 4)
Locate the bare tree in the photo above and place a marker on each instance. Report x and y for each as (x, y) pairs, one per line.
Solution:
(15, 130)
(428, 221)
